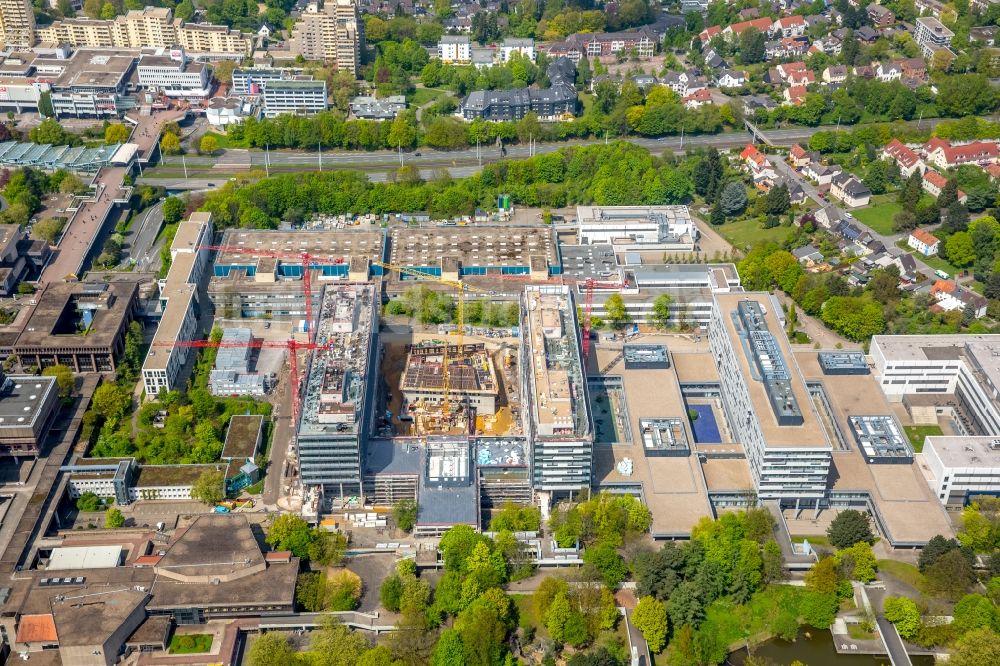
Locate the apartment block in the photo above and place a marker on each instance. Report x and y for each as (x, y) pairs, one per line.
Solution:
(17, 23)
(294, 96)
(333, 34)
(152, 27)
(931, 35)
(455, 49)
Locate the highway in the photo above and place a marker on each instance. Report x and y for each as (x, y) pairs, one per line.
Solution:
(207, 172)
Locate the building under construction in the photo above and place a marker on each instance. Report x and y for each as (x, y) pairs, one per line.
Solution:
(446, 403)
(339, 390)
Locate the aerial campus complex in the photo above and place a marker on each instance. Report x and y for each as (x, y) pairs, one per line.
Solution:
(463, 419)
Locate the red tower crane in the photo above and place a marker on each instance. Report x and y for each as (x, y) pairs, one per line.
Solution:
(308, 261)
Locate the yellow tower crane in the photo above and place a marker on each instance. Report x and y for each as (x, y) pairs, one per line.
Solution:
(460, 287)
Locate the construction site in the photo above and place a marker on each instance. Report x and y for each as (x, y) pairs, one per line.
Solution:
(437, 387)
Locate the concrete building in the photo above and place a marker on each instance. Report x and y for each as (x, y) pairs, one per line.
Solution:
(334, 34)
(766, 400)
(266, 280)
(555, 395)
(523, 46)
(371, 108)
(232, 375)
(454, 49)
(28, 405)
(637, 227)
(89, 83)
(81, 325)
(340, 386)
(553, 103)
(293, 96)
(151, 27)
(962, 467)
(931, 34)
(17, 23)
(180, 305)
(174, 75)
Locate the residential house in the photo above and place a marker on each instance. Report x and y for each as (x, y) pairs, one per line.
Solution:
(828, 217)
(798, 156)
(795, 74)
(914, 68)
(796, 194)
(454, 49)
(820, 173)
(887, 72)
(830, 45)
(835, 74)
(733, 31)
(729, 78)
(748, 13)
(907, 266)
(753, 102)
(880, 16)
(605, 44)
(950, 296)
(864, 72)
(757, 164)
(905, 158)
(933, 182)
(786, 47)
(698, 98)
(706, 35)
(866, 35)
(808, 255)
(980, 153)
(994, 171)
(850, 190)
(923, 242)
(714, 61)
(789, 26)
(523, 46)
(794, 95)
(929, 7)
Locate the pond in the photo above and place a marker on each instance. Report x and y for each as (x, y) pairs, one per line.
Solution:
(815, 648)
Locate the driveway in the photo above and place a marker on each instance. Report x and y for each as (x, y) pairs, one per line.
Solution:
(893, 642)
(141, 235)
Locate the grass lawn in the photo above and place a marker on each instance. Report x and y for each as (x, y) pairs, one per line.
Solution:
(935, 262)
(905, 572)
(255, 489)
(916, 434)
(190, 643)
(423, 95)
(879, 214)
(224, 140)
(526, 613)
(744, 233)
(815, 539)
(858, 633)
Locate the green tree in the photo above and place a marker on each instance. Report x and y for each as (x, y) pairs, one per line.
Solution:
(858, 562)
(733, 198)
(327, 548)
(271, 648)
(848, 528)
(605, 558)
(390, 593)
(89, 502)
(45, 105)
(48, 229)
(64, 381)
(824, 576)
(903, 613)
(291, 532)
(614, 307)
(173, 209)
(71, 184)
(108, 11)
(113, 518)
(952, 575)
(961, 251)
(170, 144)
(336, 645)
(111, 401)
(209, 487)
(449, 650)
(208, 144)
(661, 311)
(404, 514)
(973, 611)
(937, 547)
(115, 133)
(980, 647)
(557, 616)
(650, 617)
(185, 11)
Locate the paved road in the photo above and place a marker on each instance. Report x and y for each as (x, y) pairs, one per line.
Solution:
(274, 482)
(140, 236)
(887, 630)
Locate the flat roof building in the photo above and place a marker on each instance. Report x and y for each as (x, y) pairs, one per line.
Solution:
(180, 305)
(472, 378)
(652, 227)
(81, 325)
(340, 386)
(28, 406)
(962, 467)
(554, 391)
(260, 272)
(766, 400)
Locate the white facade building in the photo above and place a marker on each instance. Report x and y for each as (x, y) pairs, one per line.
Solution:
(524, 46)
(455, 49)
(174, 75)
(297, 97)
(962, 466)
(635, 225)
